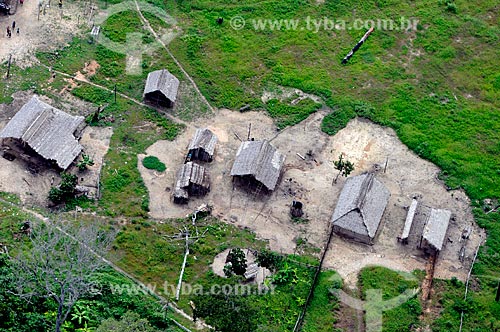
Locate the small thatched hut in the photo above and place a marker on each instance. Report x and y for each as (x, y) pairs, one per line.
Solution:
(192, 180)
(435, 230)
(202, 146)
(161, 88)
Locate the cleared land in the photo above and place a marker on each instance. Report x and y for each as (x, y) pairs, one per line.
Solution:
(367, 145)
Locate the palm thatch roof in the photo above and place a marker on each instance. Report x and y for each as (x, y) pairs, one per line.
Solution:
(261, 160)
(435, 228)
(204, 139)
(361, 205)
(47, 130)
(162, 81)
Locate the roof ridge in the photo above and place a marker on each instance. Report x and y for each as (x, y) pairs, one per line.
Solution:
(365, 187)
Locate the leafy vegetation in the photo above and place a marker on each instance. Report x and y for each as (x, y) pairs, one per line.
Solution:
(236, 263)
(66, 189)
(345, 167)
(85, 162)
(152, 162)
(402, 317)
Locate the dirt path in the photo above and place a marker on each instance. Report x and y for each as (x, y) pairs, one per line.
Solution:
(146, 23)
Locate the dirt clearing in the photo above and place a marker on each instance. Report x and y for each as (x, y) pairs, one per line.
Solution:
(48, 31)
(310, 181)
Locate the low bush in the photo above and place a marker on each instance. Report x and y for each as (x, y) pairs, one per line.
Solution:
(152, 162)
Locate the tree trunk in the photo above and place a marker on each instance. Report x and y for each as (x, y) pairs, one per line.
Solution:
(59, 317)
(336, 178)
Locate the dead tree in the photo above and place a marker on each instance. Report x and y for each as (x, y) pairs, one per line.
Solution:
(61, 264)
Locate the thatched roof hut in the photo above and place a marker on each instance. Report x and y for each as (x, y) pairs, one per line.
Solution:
(259, 160)
(360, 208)
(161, 88)
(51, 133)
(435, 229)
(202, 146)
(192, 180)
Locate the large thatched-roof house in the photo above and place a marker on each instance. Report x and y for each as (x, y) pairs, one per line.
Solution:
(192, 180)
(260, 162)
(435, 229)
(360, 208)
(51, 133)
(202, 146)
(161, 88)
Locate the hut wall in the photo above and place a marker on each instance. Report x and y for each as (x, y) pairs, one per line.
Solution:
(157, 98)
(352, 235)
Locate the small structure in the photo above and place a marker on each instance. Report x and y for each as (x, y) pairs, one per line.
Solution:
(360, 208)
(258, 162)
(409, 222)
(192, 180)
(161, 88)
(251, 271)
(296, 209)
(435, 230)
(51, 133)
(202, 146)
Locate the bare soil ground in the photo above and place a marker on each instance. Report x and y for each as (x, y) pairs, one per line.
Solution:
(54, 28)
(310, 181)
(33, 188)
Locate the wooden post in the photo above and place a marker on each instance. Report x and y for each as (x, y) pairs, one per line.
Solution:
(178, 291)
(8, 68)
(249, 130)
(386, 161)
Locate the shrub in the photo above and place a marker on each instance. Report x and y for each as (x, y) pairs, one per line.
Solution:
(65, 191)
(151, 162)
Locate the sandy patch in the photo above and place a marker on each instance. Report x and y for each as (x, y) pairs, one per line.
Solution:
(364, 143)
(47, 31)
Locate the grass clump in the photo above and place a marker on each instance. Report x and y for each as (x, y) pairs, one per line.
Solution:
(152, 162)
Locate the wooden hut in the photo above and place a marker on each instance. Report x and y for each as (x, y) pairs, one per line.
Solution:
(192, 180)
(202, 146)
(360, 208)
(258, 163)
(435, 230)
(51, 133)
(161, 88)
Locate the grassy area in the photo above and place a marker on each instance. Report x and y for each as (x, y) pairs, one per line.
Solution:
(402, 317)
(164, 260)
(438, 86)
(135, 129)
(322, 311)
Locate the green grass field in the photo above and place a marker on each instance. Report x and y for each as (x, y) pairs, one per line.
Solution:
(438, 87)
